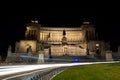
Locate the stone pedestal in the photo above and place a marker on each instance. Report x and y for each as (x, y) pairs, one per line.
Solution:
(40, 57)
(29, 54)
(8, 56)
(9, 50)
(9, 53)
(108, 56)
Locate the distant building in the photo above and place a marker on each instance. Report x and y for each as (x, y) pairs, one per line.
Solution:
(61, 41)
(72, 41)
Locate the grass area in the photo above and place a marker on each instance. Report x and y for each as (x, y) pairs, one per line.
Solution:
(109, 71)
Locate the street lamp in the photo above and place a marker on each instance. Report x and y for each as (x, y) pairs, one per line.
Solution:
(97, 45)
(97, 48)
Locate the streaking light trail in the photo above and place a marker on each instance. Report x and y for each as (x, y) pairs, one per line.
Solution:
(6, 70)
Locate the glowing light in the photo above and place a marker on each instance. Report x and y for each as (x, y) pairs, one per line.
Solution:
(36, 21)
(76, 59)
(6, 70)
(32, 21)
(97, 44)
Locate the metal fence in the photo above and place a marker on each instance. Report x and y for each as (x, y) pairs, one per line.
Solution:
(47, 74)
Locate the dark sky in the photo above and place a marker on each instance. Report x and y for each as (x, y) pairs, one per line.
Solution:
(106, 21)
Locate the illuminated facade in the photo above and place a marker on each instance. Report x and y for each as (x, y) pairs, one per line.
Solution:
(60, 41)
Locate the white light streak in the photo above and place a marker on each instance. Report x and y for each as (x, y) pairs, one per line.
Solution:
(6, 70)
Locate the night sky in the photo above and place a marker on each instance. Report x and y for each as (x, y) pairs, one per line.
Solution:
(106, 21)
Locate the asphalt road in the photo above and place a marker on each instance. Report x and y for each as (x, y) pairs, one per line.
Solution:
(17, 69)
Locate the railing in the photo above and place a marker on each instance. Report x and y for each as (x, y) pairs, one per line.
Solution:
(47, 74)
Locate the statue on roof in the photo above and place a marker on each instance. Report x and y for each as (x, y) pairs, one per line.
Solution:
(29, 50)
(41, 47)
(10, 48)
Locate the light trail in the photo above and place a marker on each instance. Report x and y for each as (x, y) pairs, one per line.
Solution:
(6, 70)
(48, 59)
